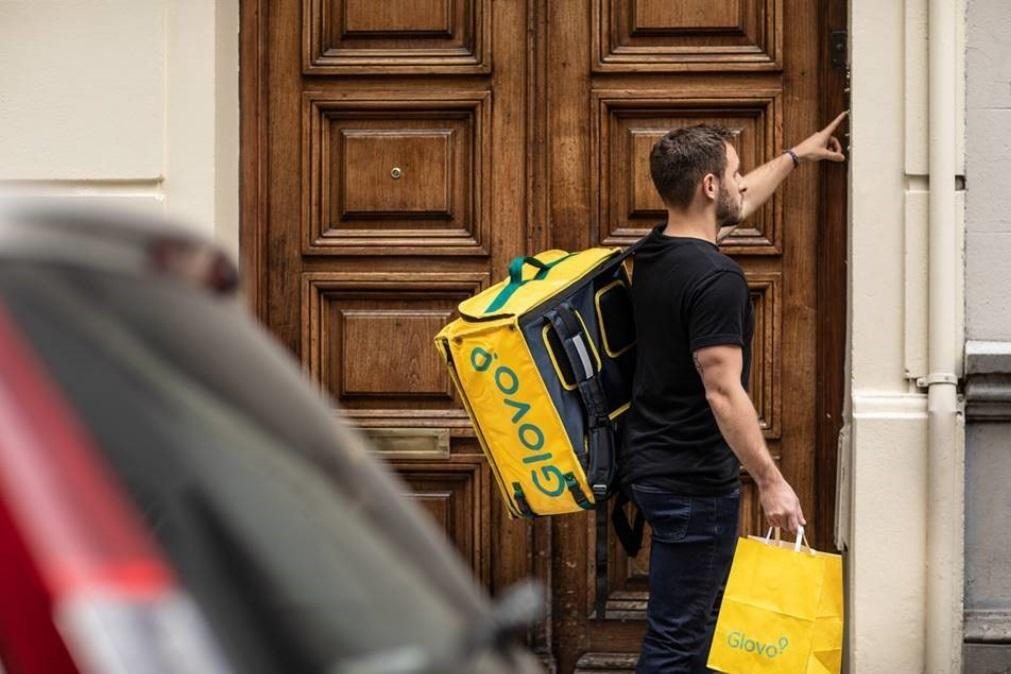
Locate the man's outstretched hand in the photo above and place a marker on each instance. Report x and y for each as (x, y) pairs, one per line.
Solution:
(822, 145)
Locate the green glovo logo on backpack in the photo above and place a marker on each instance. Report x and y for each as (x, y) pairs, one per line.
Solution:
(742, 642)
(547, 478)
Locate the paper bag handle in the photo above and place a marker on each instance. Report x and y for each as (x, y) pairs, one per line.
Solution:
(801, 536)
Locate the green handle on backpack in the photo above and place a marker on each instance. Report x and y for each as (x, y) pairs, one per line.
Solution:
(516, 278)
(516, 268)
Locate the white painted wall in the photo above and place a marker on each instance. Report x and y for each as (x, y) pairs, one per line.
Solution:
(130, 103)
(884, 505)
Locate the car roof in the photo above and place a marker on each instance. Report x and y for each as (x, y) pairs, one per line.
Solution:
(143, 245)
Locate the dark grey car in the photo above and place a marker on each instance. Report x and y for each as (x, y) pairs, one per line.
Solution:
(295, 543)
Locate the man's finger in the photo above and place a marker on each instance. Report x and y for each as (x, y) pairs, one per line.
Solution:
(833, 145)
(836, 122)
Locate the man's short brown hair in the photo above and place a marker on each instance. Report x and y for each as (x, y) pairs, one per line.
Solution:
(683, 157)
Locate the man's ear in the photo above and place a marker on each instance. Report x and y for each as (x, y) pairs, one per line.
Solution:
(710, 186)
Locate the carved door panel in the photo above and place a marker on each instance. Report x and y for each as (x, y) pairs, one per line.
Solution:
(620, 74)
(398, 153)
(390, 185)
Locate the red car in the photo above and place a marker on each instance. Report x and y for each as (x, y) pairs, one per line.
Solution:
(175, 497)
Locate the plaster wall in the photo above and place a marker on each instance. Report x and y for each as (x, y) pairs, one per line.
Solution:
(884, 509)
(123, 103)
(886, 571)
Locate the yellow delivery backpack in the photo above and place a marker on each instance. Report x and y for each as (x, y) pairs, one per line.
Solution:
(543, 362)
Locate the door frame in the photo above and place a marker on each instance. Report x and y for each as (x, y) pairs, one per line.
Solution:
(832, 283)
(253, 165)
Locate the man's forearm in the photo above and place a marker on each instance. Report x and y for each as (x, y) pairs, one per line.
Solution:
(738, 422)
(763, 181)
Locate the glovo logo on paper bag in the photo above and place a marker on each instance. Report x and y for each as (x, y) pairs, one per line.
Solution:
(527, 430)
(742, 642)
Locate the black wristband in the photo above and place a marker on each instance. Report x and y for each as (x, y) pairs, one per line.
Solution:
(793, 156)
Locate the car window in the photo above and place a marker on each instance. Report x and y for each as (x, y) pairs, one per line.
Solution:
(219, 347)
(296, 568)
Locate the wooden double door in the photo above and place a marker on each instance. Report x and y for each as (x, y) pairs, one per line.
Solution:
(398, 153)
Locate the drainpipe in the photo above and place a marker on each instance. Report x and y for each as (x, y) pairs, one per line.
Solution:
(944, 474)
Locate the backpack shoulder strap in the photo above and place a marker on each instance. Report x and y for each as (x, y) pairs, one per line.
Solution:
(600, 433)
(631, 250)
(629, 534)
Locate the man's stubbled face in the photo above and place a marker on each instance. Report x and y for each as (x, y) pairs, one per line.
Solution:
(730, 199)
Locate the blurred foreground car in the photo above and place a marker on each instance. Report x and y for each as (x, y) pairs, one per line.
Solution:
(175, 497)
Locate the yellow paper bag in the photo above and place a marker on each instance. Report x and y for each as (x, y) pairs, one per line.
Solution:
(782, 611)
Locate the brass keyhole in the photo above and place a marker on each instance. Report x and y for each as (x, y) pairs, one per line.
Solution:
(396, 173)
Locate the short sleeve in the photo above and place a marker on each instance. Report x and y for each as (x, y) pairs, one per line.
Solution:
(717, 311)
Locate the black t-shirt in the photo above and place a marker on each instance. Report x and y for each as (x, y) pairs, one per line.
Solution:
(686, 295)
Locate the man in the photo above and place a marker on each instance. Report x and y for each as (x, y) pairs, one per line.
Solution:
(691, 421)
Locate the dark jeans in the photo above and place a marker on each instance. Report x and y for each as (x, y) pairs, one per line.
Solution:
(694, 538)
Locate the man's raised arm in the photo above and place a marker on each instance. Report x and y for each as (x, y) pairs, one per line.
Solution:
(764, 180)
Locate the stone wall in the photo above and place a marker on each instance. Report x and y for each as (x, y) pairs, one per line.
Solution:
(988, 327)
